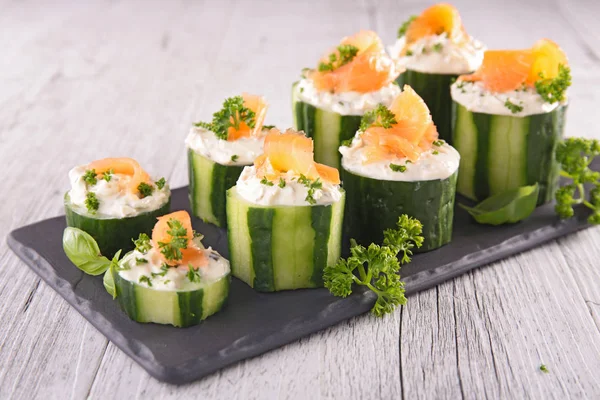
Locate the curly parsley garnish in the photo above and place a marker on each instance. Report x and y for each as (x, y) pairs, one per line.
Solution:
(108, 175)
(163, 271)
(145, 189)
(438, 143)
(404, 27)
(193, 275)
(377, 267)
(380, 116)
(347, 142)
(553, 90)
(231, 115)
(142, 243)
(234, 158)
(514, 108)
(343, 55)
(160, 184)
(397, 168)
(172, 249)
(312, 186)
(575, 156)
(140, 261)
(146, 279)
(266, 182)
(90, 177)
(91, 202)
(281, 183)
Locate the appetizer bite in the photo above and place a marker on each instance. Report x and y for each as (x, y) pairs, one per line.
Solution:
(113, 200)
(397, 165)
(329, 101)
(171, 278)
(284, 216)
(508, 119)
(219, 150)
(435, 48)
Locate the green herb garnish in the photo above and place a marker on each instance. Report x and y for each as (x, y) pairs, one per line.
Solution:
(231, 115)
(409, 53)
(553, 90)
(312, 186)
(438, 143)
(377, 267)
(160, 184)
(404, 27)
(266, 182)
(146, 279)
(108, 175)
(514, 108)
(435, 152)
(145, 189)
(343, 55)
(269, 127)
(234, 158)
(140, 261)
(163, 271)
(438, 47)
(192, 274)
(281, 183)
(172, 249)
(544, 369)
(380, 116)
(90, 177)
(142, 243)
(575, 156)
(91, 202)
(347, 142)
(397, 168)
(506, 207)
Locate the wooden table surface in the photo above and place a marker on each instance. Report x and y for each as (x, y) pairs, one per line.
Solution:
(90, 79)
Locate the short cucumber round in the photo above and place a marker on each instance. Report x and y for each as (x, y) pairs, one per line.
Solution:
(501, 152)
(113, 234)
(282, 247)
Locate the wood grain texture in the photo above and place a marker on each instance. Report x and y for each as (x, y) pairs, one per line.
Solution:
(83, 80)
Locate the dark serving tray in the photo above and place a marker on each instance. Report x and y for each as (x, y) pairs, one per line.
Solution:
(253, 323)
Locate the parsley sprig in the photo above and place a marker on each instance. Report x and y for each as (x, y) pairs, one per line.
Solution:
(193, 275)
(90, 177)
(377, 266)
(380, 116)
(233, 113)
(553, 90)
(514, 108)
(343, 55)
(312, 186)
(145, 189)
(142, 243)
(172, 249)
(404, 27)
(91, 202)
(575, 156)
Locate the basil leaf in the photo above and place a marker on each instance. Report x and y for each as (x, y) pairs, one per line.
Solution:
(506, 207)
(83, 251)
(109, 283)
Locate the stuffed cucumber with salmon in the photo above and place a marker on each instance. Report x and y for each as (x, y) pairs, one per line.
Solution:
(397, 165)
(284, 217)
(114, 200)
(171, 278)
(330, 100)
(435, 48)
(508, 118)
(219, 150)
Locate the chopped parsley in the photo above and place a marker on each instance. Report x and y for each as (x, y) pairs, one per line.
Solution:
(90, 177)
(91, 202)
(160, 184)
(347, 142)
(312, 187)
(269, 127)
(172, 249)
(266, 182)
(140, 261)
(108, 175)
(380, 116)
(514, 108)
(438, 47)
(409, 53)
(192, 274)
(163, 271)
(438, 143)
(404, 27)
(146, 279)
(233, 113)
(142, 243)
(145, 189)
(234, 158)
(281, 183)
(553, 90)
(544, 369)
(343, 55)
(435, 152)
(397, 168)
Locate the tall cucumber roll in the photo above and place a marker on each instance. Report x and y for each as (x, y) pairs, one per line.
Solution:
(330, 100)
(507, 121)
(285, 217)
(434, 48)
(397, 165)
(114, 200)
(219, 150)
(171, 279)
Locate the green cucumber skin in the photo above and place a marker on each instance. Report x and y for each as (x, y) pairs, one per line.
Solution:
(375, 205)
(434, 89)
(282, 247)
(209, 182)
(114, 234)
(310, 119)
(526, 157)
(177, 308)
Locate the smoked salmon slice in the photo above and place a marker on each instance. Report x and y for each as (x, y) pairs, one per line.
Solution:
(192, 255)
(124, 166)
(257, 104)
(435, 20)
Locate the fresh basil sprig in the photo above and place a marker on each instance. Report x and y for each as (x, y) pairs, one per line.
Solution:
(83, 251)
(506, 207)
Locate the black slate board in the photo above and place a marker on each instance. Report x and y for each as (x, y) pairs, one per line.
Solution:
(253, 323)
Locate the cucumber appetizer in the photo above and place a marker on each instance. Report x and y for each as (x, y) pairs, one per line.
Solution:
(284, 217)
(435, 48)
(219, 150)
(508, 119)
(329, 101)
(113, 200)
(397, 165)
